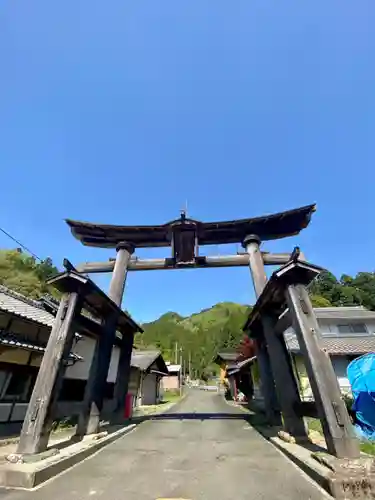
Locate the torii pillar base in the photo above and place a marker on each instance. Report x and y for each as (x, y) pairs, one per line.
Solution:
(348, 478)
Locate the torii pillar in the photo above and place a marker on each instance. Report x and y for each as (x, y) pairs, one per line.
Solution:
(252, 243)
(94, 395)
(116, 292)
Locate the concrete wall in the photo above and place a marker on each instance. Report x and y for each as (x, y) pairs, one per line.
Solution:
(172, 382)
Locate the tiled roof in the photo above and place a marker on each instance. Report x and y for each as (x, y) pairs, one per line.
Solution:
(12, 340)
(227, 356)
(359, 344)
(234, 368)
(15, 303)
(352, 313)
(144, 359)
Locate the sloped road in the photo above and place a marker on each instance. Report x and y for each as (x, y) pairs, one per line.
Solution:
(204, 450)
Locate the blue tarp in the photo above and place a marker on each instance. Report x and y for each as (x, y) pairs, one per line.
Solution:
(361, 375)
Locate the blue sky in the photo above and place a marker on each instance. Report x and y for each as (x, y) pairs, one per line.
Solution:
(118, 112)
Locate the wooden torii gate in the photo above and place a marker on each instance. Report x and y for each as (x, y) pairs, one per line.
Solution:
(185, 236)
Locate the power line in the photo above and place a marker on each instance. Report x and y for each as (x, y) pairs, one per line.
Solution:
(20, 244)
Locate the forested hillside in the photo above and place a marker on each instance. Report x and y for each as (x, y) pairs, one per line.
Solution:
(199, 336)
(24, 274)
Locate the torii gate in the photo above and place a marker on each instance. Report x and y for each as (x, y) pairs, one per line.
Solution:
(281, 302)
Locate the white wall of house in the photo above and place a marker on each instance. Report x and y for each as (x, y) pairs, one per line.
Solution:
(85, 348)
(330, 327)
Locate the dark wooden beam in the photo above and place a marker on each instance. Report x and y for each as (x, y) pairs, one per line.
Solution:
(285, 382)
(68, 265)
(116, 291)
(94, 299)
(337, 427)
(284, 322)
(35, 430)
(87, 326)
(306, 409)
(122, 377)
(89, 418)
(256, 265)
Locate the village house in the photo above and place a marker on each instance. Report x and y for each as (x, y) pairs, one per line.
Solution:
(147, 370)
(172, 382)
(25, 326)
(346, 333)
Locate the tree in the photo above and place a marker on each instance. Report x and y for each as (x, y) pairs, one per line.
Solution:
(324, 285)
(319, 301)
(23, 274)
(246, 348)
(347, 291)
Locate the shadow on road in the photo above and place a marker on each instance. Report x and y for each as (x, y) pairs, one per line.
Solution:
(191, 416)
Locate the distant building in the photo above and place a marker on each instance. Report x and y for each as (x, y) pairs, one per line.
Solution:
(173, 380)
(147, 370)
(235, 373)
(346, 333)
(225, 359)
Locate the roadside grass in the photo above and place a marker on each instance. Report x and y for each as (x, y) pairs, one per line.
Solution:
(368, 447)
(314, 425)
(365, 446)
(171, 396)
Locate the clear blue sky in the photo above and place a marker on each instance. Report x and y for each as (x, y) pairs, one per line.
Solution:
(117, 112)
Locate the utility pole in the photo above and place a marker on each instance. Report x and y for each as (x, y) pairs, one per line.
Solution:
(176, 354)
(180, 371)
(190, 377)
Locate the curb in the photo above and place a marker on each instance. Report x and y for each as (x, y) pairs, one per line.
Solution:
(317, 472)
(297, 454)
(28, 476)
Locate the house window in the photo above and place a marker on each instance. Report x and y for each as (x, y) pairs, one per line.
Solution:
(16, 387)
(3, 379)
(350, 328)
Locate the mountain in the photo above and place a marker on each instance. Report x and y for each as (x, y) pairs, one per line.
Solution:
(197, 337)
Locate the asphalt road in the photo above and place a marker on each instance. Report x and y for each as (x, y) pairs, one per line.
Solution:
(204, 450)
